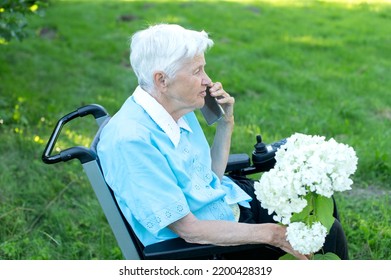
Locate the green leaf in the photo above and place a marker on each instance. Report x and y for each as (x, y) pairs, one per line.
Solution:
(327, 256)
(302, 216)
(323, 209)
(287, 257)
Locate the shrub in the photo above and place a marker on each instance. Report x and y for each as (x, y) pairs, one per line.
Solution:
(13, 17)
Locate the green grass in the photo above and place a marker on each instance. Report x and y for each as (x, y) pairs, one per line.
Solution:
(315, 67)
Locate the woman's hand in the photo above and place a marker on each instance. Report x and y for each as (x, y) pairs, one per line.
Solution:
(224, 99)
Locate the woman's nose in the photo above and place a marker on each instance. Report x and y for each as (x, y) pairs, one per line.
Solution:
(206, 80)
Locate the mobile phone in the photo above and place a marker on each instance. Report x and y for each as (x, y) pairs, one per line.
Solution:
(212, 111)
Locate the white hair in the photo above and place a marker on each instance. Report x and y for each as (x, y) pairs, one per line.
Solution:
(164, 47)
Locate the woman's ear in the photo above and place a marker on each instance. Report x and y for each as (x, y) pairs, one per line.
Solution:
(160, 80)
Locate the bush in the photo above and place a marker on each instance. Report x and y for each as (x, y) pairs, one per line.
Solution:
(13, 17)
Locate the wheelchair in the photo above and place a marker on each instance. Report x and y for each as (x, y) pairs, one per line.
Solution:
(131, 248)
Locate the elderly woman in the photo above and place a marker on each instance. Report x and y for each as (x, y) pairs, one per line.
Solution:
(166, 178)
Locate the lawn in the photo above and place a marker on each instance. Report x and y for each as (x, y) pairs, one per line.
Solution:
(315, 67)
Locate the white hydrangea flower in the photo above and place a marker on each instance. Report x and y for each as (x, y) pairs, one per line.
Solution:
(305, 239)
(280, 194)
(305, 164)
(323, 166)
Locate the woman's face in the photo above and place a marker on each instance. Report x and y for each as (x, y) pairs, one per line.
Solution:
(186, 92)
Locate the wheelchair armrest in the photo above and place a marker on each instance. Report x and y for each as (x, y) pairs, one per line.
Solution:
(237, 162)
(178, 248)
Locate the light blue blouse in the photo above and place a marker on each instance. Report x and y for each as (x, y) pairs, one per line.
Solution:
(160, 170)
